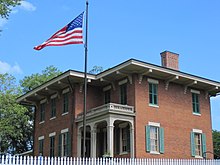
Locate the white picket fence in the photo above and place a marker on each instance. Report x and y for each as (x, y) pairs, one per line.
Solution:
(29, 160)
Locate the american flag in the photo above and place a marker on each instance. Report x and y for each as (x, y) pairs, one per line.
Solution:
(70, 34)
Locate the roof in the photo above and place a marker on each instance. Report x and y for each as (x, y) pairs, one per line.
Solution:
(118, 72)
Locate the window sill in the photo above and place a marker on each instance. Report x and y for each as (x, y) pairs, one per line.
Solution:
(41, 122)
(123, 153)
(198, 157)
(154, 153)
(66, 113)
(52, 118)
(196, 114)
(154, 105)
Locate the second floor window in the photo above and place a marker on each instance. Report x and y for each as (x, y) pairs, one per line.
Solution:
(123, 94)
(153, 94)
(195, 103)
(65, 102)
(53, 107)
(42, 112)
(107, 96)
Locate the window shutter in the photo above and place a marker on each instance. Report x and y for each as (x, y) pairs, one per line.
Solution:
(147, 135)
(203, 145)
(60, 145)
(193, 152)
(161, 140)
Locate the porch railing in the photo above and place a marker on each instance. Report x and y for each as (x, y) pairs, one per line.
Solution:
(110, 107)
(29, 160)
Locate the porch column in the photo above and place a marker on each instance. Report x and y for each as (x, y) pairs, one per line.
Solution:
(110, 137)
(93, 140)
(132, 140)
(79, 137)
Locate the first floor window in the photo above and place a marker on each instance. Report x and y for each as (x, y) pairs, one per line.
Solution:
(41, 147)
(198, 144)
(64, 144)
(52, 145)
(154, 139)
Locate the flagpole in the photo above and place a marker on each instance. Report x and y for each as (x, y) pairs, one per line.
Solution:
(85, 84)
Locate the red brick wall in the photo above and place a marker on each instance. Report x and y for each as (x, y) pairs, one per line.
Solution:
(175, 115)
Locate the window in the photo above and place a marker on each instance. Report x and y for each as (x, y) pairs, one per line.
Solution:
(41, 147)
(53, 108)
(123, 94)
(65, 102)
(198, 144)
(64, 144)
(154, 139)
(122, 138)
(195, 103)
(52, 146)
(42, 112)
(153, 94)
(107, 96)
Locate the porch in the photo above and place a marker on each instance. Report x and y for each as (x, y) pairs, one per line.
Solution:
(109, 131)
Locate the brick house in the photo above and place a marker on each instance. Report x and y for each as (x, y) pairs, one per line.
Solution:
(134, 109)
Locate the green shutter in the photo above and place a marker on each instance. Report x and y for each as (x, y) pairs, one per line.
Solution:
(60, 145)
(193, 152)
(203, 145)
(147, 134)
(161, 140)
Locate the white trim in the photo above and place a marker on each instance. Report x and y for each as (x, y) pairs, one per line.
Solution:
(52, 134)
(107, 88)
(153, 81)
(53, 96)
(52, 118)
(198, 157)
(154, 152)
(123, 82)
(41, 122)
(197, 131)
(66, 90)
(41, 138)
(65, 113)
(154, 124)
(196, 114)
(64, 130)
(43, 101)
(153, 105)
(194, 91)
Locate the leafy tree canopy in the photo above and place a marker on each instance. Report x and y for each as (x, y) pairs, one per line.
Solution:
(216, 143)
(6, 7)
(34, 80)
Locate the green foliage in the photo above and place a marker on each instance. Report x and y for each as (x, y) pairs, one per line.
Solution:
(34, 80)
(96, 70)
(216, 143)
(6, 7)
(15, 125)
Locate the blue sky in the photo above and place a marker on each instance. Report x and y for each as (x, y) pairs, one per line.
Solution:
(118, 30)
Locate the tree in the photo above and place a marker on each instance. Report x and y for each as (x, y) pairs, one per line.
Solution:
(34, 80)
(16, 121)
(216, 143)
(6, 7)
(15, 126)
(96, 70)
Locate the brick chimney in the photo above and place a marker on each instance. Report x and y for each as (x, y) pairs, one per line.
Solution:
(170, 60)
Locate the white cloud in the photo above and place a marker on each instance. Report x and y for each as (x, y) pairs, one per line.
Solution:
(7, 68)
(27, 6)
